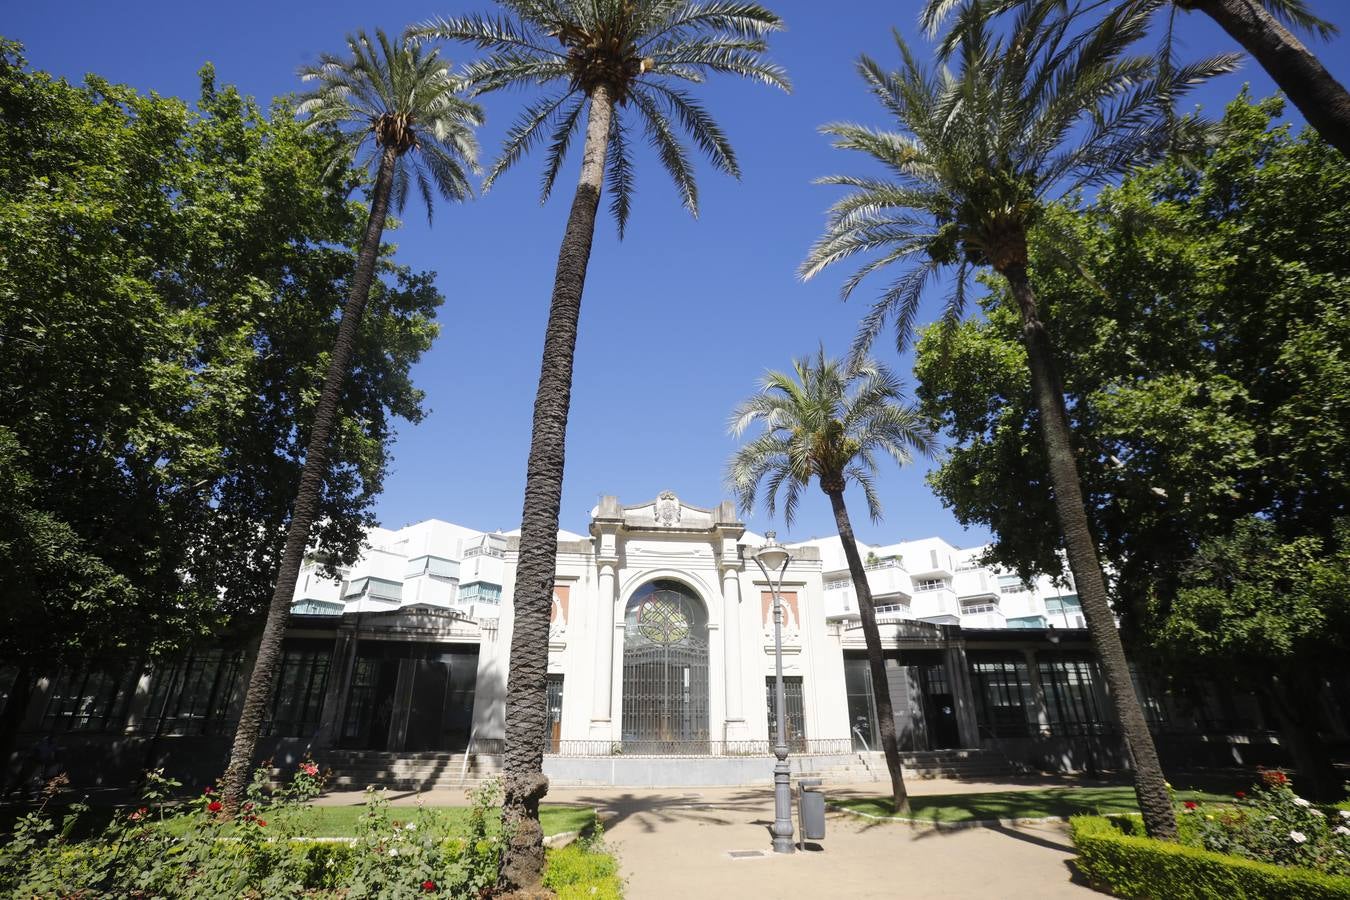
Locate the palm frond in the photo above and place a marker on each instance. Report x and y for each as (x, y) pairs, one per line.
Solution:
(395, 92)
(641, 51)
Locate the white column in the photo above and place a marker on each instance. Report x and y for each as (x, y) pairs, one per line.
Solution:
(603, 637)
(731, 633)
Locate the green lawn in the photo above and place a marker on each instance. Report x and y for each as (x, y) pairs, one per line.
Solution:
(340, 821)
(1032, 804)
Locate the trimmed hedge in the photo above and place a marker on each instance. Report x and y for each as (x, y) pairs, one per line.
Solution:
(1131, 866)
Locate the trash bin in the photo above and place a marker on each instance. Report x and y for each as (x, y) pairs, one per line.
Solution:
(811, 809)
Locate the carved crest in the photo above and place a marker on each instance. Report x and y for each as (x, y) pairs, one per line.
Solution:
(667, 509)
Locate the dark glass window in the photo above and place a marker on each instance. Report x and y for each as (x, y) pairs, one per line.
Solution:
(91, 698)
(1074, 694)
(1003, 702)
(297, 701)
(192, 695)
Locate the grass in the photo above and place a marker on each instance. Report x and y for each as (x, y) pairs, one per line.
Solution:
(1032, 804)
(341, 821)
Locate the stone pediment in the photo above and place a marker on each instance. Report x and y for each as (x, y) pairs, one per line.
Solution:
(667, 513)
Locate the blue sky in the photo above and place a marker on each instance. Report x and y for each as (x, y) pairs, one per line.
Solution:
(679, 321)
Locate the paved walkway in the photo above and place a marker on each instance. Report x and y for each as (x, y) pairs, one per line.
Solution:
(675, 843)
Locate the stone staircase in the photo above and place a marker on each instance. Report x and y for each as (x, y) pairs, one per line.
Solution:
(431, 771)
(964, 765)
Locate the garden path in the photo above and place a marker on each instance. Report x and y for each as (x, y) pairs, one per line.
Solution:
(676, 843)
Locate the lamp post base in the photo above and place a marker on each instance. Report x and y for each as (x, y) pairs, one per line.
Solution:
(782, 804)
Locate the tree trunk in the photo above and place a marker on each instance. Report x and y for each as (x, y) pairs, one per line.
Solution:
(1315, 91)
(876, 662)
(1295, 697)
(526, 689)
(20, 694)
(307, 499)
(1150, 788)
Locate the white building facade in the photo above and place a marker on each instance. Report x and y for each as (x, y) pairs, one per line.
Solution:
(660, 663)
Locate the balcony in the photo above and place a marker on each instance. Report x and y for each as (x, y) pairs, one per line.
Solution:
(937, 606)
(975, 584)
(982, 615)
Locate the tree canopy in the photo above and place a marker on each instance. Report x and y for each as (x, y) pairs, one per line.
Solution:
(1202, 325)
(168, 293)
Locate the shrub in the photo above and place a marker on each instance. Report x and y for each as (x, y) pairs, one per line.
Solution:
(1134, 866)
(583, 870)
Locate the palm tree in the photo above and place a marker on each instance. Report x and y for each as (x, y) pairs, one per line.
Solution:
(604, 58)
(1034, 113)
(394, 104)
(830, 423)
(1261, 27)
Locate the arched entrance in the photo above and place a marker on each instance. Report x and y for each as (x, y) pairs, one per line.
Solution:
(665, 670)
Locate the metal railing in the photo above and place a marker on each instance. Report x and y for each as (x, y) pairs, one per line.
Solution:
(822, 746)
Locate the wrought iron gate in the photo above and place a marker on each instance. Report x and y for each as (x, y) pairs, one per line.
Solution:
(665, 671)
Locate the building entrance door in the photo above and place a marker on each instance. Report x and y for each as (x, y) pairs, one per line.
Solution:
(939, 707)
(370, 704)
(407, 696)
(665, 671)
(862, 705)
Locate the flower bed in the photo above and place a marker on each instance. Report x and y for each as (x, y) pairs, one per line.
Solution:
(196, 850)
(1266, 843)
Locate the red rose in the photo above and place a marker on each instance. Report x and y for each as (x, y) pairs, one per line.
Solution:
(1190, 804)
(214, 806)
(262, 823)
(1241, 795)
(428, 885)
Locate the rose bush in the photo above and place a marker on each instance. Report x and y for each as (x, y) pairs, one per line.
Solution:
(163, 848)
(1271, 823)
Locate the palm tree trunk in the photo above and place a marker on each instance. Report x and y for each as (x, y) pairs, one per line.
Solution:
(307, 499)
(1149, 786)
(875, 660)
(1322, 99)
(526, 688)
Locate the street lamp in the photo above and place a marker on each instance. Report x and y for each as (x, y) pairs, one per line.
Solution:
(773, 559)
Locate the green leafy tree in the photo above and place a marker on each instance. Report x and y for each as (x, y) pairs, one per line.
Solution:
(402, 101)
(168, 286)
(1031, 113)
(624, 64)
(828, 423)
(1204, 365)
(1269, 613)
(1261, 27)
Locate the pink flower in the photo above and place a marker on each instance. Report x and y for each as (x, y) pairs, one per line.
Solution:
(310, 769)
(208, 790)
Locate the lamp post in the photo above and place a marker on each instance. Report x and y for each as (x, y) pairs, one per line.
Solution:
(773, 559)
